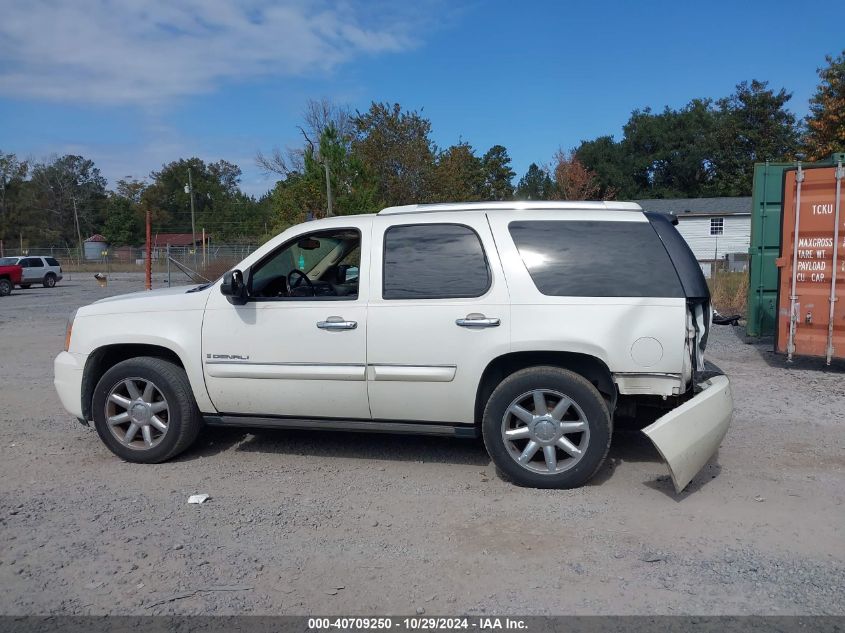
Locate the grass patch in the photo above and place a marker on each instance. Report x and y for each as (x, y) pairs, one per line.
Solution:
(729, 291)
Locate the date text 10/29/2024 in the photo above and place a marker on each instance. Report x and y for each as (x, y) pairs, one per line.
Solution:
(417, 623)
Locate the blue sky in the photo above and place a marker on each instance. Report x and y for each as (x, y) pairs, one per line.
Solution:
(138, 83)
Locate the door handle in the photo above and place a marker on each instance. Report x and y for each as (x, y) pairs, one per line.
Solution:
(337, 323)
(477, 320)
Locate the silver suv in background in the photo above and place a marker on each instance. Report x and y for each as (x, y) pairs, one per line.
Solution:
(36, 270)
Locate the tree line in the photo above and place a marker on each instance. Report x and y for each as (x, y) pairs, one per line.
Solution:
(385, 156)
(63, 200)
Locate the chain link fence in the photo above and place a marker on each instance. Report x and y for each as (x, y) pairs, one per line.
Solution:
(201, 265)
(179, 262)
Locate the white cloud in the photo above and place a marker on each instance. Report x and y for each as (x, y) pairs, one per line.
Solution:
(152, 51)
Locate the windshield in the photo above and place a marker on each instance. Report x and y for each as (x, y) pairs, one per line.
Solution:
(8, 261)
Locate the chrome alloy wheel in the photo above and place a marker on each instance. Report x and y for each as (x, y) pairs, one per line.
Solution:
(545, 432)
(137, 413)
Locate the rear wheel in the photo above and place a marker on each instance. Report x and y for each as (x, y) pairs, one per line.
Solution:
(547, 427)
(5, 287)
(144, 410)
(49, 280)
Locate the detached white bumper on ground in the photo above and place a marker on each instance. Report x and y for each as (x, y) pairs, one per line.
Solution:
(688, 436)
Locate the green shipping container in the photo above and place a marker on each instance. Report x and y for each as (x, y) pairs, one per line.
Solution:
(766, 207)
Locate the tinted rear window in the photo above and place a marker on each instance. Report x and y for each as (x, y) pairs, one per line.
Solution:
(51, 261)
(689, 271)
(434, 261)
(595, 259)
(35, 262)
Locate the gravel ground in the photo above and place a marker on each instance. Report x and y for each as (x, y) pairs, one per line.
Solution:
(317, 523)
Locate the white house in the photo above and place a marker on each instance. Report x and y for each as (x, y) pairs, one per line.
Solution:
(714, 228)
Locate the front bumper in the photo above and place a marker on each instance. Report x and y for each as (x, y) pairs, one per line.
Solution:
(688, 436)
(67, 378)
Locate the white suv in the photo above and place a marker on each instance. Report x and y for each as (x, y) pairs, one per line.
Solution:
(36, 270)
(528, 323)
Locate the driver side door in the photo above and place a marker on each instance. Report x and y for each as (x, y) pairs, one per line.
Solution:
(292, 356)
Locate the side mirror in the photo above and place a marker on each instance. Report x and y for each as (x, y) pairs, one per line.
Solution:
(234, 288)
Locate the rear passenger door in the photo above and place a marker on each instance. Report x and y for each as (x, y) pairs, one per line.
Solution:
(33, 270)
(439, 313)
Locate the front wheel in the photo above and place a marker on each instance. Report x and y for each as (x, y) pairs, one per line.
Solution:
(144, 410)
(547, 427)
(5, 287)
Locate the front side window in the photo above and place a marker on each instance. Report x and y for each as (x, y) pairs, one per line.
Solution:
(434, 261)
(8, 261)
(322, 264)
(568, 258)
(717, 226)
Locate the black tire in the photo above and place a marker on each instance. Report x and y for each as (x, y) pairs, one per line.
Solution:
(185, 420)
(589, 403)
(49, 280)
(25, 286)
(5, 287)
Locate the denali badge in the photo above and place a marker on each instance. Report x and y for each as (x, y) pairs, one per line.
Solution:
(226, 357)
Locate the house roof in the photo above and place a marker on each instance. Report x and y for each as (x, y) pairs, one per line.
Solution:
(176, 239)
(96, 238)
(682, 207)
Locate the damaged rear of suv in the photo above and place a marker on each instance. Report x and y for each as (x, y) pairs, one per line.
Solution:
(533, 324)
(625, 301)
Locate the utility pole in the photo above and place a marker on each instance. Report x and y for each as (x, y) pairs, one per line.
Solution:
(328, 185)
(149, 263)
(328, 190)
(193, 219)
(78, 230)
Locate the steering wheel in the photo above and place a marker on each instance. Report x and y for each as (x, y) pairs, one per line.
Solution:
(291, 285)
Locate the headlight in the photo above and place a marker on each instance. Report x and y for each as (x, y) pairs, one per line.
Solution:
(69, 330)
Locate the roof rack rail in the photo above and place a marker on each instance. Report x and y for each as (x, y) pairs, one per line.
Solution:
(581, 205)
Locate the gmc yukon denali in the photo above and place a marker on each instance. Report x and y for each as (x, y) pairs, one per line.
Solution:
(531, 324)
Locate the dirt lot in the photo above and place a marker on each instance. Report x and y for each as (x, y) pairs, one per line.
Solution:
(313, 523)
